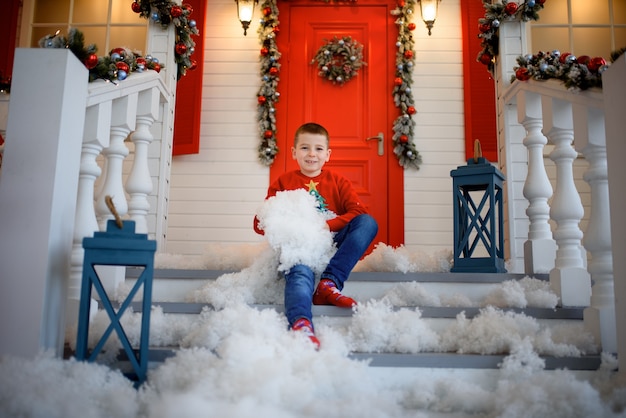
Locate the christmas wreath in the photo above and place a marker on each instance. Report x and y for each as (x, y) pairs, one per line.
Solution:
(267, 96)
(339, 60)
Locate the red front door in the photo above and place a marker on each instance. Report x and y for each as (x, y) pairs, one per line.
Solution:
(361, 108)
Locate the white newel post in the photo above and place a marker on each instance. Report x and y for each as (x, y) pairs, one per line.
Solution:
(95, 139)
(540, 248)
(38, 190)
(614, 92)
(569, 278)
(139, 182)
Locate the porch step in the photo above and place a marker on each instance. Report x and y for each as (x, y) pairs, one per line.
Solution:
(172, 285)
(158, 355)
(333, 311)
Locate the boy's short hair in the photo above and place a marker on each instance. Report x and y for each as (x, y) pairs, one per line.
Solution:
(311, 128)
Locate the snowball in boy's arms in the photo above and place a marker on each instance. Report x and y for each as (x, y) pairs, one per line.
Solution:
(296, 229)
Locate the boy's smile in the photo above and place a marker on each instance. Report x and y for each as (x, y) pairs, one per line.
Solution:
(311, 152)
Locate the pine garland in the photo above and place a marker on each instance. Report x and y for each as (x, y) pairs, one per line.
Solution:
(494, 15)
(166, 12)
(121, 61)
(267, 95)
(576, 73)
(404, 125)
(114, 67)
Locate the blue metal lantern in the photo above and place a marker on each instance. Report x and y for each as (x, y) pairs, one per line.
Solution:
(478, 218)
(117, 247)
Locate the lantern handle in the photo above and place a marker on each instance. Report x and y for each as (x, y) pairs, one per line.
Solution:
(478, 151)
(109, 202)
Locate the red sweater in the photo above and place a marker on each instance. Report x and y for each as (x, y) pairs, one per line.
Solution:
(333, 191)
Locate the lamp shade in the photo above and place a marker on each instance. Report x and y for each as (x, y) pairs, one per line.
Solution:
(245, 10)
(428, 8)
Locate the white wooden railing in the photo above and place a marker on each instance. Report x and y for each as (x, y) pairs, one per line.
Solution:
(114, 115)
(69, 145)
(574, 124)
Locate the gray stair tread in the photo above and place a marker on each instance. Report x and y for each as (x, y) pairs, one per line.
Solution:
(427, 311)
(469, 361)
(425, 360)
(390, 277)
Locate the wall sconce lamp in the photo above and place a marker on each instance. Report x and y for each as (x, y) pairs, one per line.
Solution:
(245, 10)
(428, 8)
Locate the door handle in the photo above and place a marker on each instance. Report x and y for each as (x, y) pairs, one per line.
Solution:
(381, 142)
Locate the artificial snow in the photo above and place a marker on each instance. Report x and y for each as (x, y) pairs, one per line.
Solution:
(237, 359)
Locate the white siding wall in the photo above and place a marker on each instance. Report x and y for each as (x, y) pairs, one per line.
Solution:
(440, 136)
(215, 193)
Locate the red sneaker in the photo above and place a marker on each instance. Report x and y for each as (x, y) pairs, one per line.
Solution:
(328, 294)
(304, 325)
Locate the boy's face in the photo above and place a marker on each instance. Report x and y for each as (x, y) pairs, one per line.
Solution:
(311, 152)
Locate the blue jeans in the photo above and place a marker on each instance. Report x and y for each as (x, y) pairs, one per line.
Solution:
(351, 241)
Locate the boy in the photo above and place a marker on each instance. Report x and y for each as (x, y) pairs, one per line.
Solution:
(353, 229)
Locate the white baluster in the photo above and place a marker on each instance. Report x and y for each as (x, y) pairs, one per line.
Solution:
(139, 182)
(591, 142)
(540, 248)
(95, 138)
(122, 123)
(569, 278)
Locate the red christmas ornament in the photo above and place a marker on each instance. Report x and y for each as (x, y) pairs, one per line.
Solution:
(401, 3)
(510, 8)
(397, 81)
(194, 65)
(522, 74)
(267, 11)
(157, 67)
(276, 29)
(541, 2)
(274, 71)
(583, 59)
(188, 7)
(485, 58)
(121, 65)
(484, 27)
(180, 48)
(176, 11)
(268, 134)
(140, 61)
(261, 99)
(264, 51)
(120, 51)
(410, 110)
(595, 63)
(136, 7)
(408, 54)
(403, 139)
(411, 26)
(563, 57)
(91, 61)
